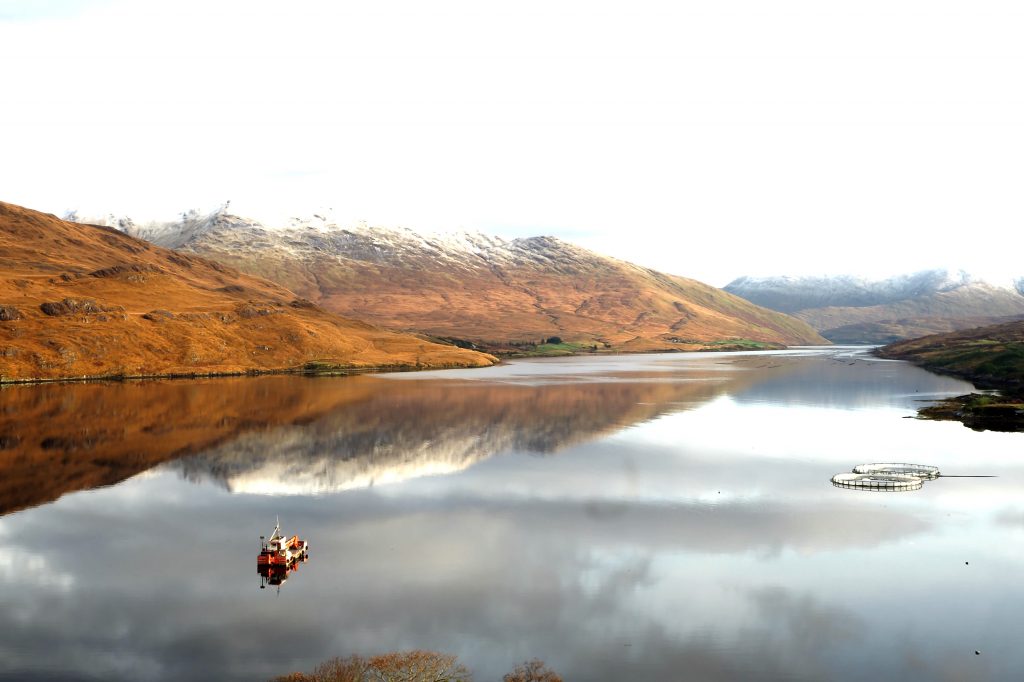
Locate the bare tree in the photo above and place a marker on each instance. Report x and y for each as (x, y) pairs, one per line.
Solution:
(417, 666)
(532, 671)
(397, 666)
(351, 669)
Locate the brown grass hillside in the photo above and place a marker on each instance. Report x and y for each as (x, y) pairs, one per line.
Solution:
(85, 301)
(484, 289)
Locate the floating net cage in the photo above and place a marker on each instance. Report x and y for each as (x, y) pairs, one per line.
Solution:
(881, 482)
(923, 471)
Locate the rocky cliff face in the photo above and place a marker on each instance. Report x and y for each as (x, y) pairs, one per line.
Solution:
(477, 287)
(855, 310)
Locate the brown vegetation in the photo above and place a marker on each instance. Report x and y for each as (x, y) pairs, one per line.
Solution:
(85, 301)
(525, 289)
(411, 666)
(532, 671)
(404, 666)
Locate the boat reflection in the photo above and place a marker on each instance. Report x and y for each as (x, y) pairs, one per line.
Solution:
(280, 556)
(275, 576)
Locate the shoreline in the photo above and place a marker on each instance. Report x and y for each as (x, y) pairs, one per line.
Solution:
(300, 371)
(981, 381)
(980, 410)
(341, 371)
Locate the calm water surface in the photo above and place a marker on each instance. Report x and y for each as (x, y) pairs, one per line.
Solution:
(654, 517)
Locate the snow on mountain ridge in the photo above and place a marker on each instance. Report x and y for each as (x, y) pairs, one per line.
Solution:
(791, 294)
(318, 234)
(850, 309)
(193, 225)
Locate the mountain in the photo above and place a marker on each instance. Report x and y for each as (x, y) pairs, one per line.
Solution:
(84, 301)
(484, 289)
(849, 309)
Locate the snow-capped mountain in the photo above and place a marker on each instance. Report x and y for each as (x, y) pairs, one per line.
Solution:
(853, 309)
(306, 236)
(475, 287)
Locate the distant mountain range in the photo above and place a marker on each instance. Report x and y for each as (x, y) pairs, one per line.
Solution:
(482, 289)
(854, 310)
(84, 301)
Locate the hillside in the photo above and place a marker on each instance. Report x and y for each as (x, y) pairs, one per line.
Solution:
(990, 357)
(854, 310)
(85, 301)
(483, 289)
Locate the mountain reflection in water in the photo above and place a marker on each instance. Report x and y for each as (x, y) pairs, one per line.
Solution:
(287, 434)
(405, 429)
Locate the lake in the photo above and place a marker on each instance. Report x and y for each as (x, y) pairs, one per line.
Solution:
(647, 517)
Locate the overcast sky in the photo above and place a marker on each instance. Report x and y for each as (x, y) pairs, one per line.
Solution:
(708, 139)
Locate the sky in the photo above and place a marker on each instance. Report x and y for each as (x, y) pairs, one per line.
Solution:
(705, 139)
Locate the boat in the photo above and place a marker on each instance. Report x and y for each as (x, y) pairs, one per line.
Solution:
(279, 556)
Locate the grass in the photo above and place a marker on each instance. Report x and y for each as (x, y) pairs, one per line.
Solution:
(557, 349)
(979, 411)
(567, 348)
(741, 344)
(983, 358)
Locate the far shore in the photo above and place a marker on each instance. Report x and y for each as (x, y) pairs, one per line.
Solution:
(325, 369)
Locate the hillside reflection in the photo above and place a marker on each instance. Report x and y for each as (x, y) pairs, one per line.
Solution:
(57, 438)
(298, 435)
(402, 430)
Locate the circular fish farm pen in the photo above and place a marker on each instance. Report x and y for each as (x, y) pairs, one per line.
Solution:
(922, 471)
(880, 482)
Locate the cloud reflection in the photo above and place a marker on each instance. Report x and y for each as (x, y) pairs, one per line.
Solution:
(597, 592)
